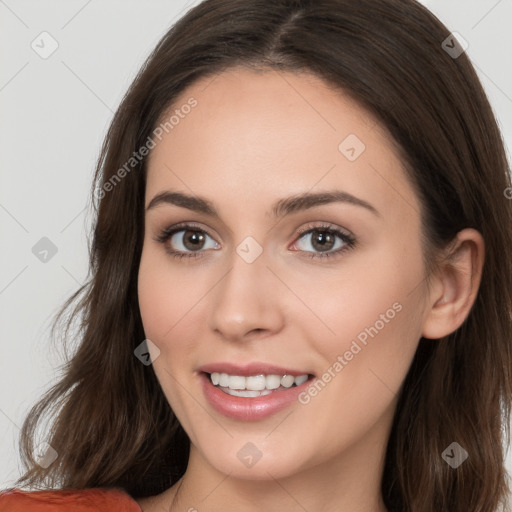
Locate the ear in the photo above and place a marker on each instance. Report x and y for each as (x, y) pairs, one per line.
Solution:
(455, 286)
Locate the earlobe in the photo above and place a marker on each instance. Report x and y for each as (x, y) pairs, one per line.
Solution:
(455, 285)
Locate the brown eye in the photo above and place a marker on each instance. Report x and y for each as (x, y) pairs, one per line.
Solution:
(192, 240)
(186, 241)
(324, 241)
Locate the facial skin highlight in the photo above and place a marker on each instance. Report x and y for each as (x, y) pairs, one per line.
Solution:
(255, 138)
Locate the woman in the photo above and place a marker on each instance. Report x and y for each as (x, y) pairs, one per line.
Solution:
(301, 275)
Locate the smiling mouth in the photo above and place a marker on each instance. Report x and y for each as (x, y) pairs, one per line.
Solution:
(255, 385)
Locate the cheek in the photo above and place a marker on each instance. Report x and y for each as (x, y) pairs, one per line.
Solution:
(161, 296)
(374, 317)
(171, 303)
(364, 368)
(163, 304)
(368, 297)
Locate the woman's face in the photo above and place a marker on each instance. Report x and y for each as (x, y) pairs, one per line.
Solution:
(262, 287)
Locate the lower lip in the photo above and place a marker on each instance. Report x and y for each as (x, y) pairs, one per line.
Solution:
(249, 409)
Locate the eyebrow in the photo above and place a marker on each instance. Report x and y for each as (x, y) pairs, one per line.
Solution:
(281, 208)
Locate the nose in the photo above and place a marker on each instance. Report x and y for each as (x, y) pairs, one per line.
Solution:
(245, 304)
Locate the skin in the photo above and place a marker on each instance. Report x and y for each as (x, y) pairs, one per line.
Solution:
(253, 138)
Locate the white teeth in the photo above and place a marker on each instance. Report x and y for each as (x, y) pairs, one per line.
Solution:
(300, 379)
(247, 393)
(272, 381)
(255, 383)
(287, 381)
(236, 382)
(224, 380)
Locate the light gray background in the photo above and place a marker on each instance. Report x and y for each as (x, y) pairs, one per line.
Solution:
(55, 113)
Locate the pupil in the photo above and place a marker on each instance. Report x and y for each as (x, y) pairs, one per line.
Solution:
(323, 238)
(195, 238)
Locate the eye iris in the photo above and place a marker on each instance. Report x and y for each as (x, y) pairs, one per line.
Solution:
(196, 239)
(323, 238)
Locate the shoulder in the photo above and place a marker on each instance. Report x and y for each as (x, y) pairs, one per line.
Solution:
(83, 500)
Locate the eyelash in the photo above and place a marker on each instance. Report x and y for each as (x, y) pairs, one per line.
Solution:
(349, 240)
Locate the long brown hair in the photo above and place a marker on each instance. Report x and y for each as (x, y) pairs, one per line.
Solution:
(113, 426)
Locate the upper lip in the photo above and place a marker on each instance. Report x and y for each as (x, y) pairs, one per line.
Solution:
(253, 368)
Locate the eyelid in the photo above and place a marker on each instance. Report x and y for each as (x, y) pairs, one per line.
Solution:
(181, 226)
(300, 231)
(323, 226)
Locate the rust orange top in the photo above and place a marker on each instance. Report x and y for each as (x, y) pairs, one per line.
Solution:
(79, 500)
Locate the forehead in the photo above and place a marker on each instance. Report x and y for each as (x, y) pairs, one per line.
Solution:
(255, 136)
